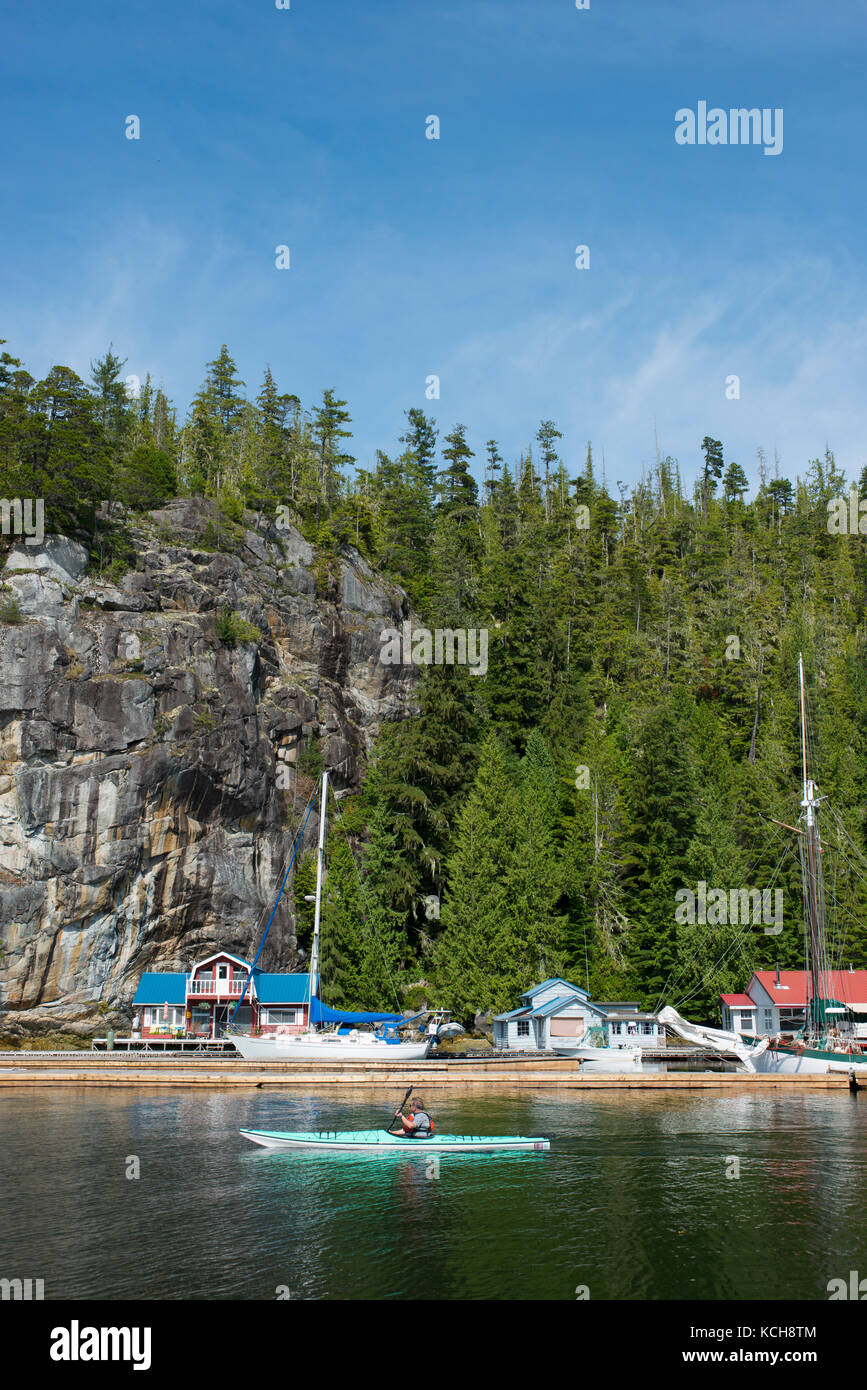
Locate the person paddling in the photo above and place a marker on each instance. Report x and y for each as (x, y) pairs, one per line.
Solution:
(416, 1125)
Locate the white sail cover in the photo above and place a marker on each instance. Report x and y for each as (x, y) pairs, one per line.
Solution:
(715, 1038)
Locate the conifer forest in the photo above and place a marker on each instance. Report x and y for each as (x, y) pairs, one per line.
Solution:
(635, 730)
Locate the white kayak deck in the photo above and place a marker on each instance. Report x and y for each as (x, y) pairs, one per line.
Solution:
(367, 1139)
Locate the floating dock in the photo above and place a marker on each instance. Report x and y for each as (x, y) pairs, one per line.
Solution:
(19, 1069)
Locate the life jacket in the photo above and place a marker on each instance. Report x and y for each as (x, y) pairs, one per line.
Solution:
(422, 1131)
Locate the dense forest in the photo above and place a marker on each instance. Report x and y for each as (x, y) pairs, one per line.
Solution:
(636, 730)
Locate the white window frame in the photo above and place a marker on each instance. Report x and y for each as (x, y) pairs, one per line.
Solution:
(154, 1016)
(281, 1009)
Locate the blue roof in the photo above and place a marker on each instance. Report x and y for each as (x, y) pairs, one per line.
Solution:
(157, 987)
(170, 987)
(281, 989)
(528, 993)
(515, 1013)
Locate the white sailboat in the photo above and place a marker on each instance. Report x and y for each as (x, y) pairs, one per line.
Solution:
(352, 1044)
(827, 1042)
(622, 1060)
(617, 1059)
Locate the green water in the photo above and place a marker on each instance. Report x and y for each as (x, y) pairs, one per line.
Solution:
(632, 1201)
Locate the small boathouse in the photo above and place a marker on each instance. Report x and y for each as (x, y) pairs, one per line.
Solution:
(557, 1012)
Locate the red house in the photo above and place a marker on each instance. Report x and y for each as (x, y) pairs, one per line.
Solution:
(201, 1003)
(775, 1002)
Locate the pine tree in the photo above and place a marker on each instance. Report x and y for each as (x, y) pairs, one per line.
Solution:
(712, 471)
(545, 436)
(328, 421)
(662, 813)
(422, 771)
(457, 487)
(360, 948)
(113, 409)
(223, 386)
(475, 963)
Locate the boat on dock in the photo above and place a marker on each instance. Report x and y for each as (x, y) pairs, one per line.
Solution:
(624, 1060)
(354, 1045)
(381, 1141)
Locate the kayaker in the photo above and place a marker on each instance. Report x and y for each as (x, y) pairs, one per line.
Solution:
(416, 1125)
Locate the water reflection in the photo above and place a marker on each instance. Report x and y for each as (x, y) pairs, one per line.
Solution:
(633, 1199)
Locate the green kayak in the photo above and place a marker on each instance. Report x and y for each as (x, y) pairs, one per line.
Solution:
(379, 1139)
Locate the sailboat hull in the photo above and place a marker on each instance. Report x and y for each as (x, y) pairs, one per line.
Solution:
(811, 1061)
(609, 1059)
(331, 1047)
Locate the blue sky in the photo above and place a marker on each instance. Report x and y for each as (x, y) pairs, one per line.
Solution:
(455, 257)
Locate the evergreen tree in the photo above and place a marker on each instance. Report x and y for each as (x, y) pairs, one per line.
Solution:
(712, 471)
(328, 421)
(423, 769)
(545, 436)
(223, 386)
(360, 948)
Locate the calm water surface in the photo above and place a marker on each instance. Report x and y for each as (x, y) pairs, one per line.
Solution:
(632, 1200)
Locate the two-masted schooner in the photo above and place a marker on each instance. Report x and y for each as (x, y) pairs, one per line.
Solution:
(827, 1041)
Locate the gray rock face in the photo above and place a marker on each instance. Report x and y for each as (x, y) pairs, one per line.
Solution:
(149, 782)
(57, 556)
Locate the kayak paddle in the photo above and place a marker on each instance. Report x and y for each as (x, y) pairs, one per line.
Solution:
(399, 1108)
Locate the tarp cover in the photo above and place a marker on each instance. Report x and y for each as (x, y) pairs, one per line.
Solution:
(821, 1008)
(320, 1013)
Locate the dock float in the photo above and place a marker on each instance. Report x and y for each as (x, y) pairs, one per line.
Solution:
(101, 1069)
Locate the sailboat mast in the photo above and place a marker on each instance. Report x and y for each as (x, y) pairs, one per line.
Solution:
(811, 873)
(803, 707)
(320, 859)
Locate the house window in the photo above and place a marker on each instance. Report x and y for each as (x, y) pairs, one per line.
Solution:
(281, 1016)
(615, 1030)
(160, 1017)
(523, 1028)
(768, 1017)
(648, 1028)
(746, 1023)
(791, 1019)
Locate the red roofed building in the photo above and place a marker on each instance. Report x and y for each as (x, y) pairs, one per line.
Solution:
(775, 1001)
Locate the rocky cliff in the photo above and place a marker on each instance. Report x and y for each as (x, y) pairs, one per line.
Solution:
(149, 787)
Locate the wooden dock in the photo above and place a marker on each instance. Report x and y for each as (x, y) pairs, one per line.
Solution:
(22, 1069)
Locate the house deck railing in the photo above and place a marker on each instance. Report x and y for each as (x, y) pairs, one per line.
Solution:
(206, 984)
